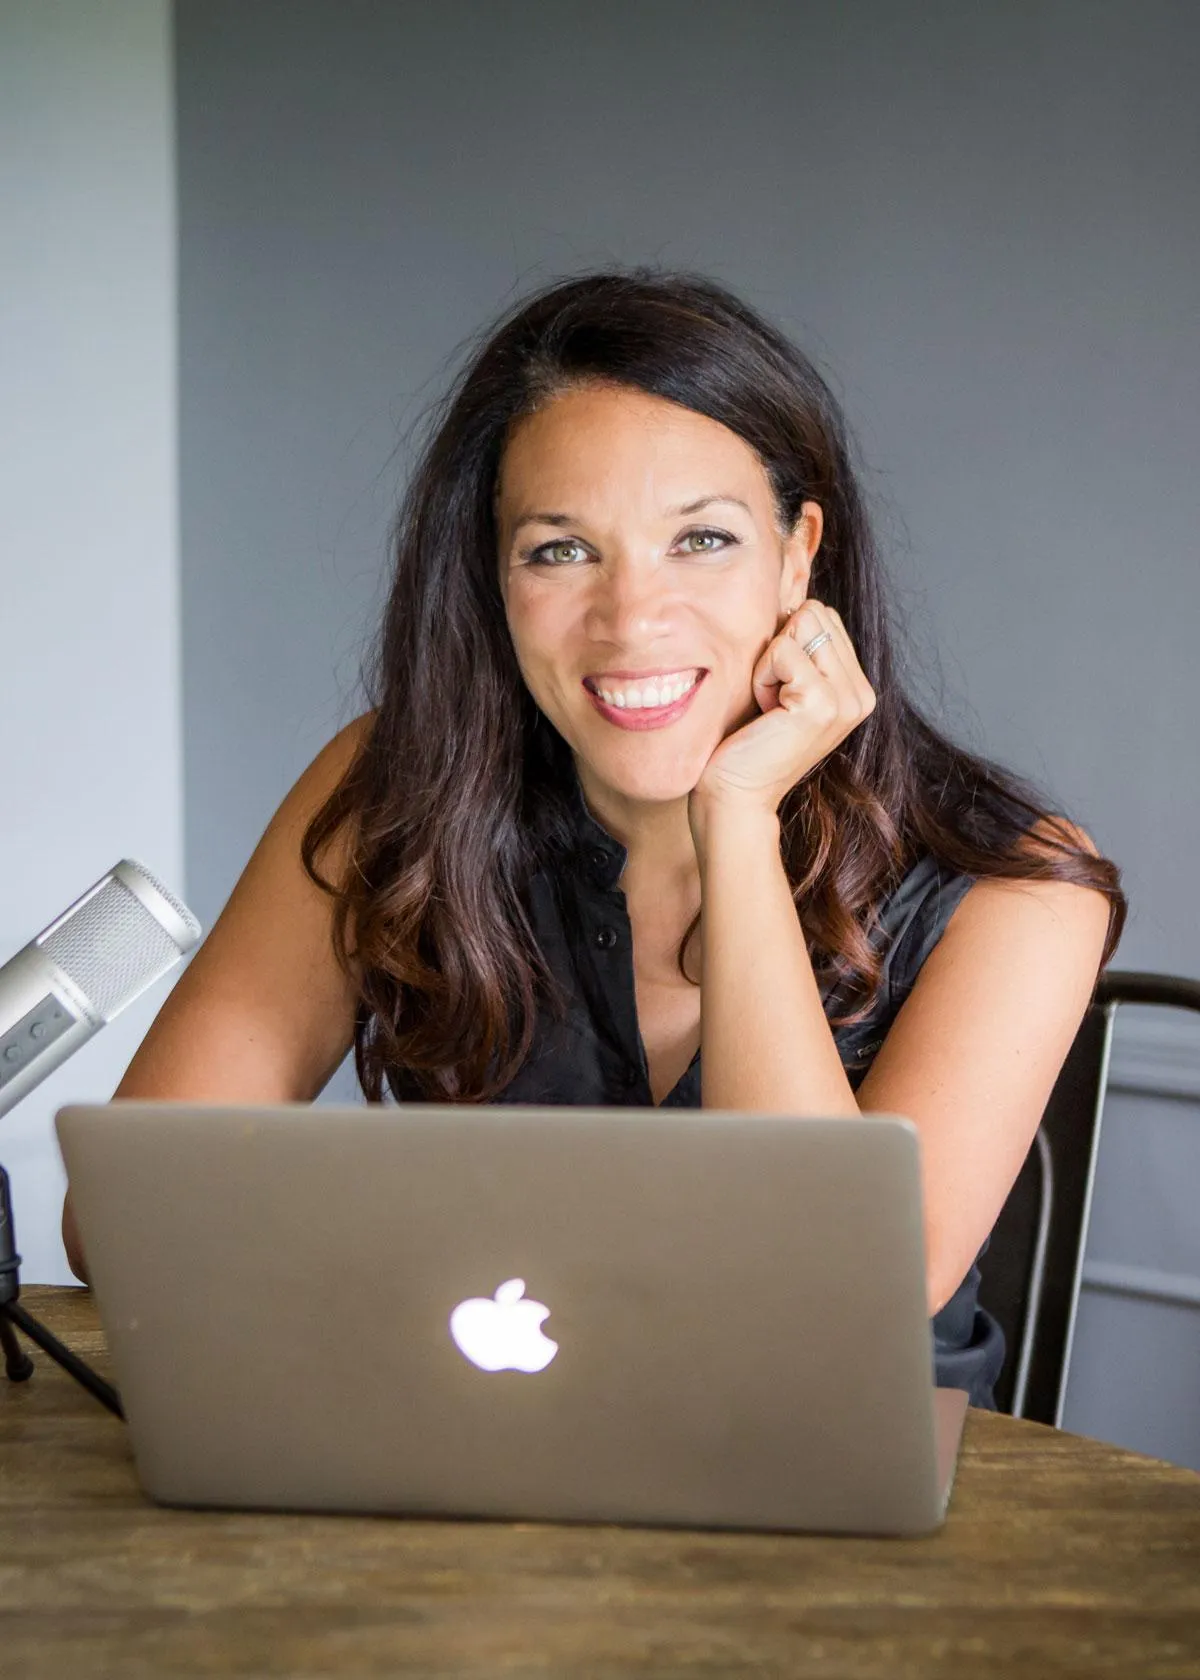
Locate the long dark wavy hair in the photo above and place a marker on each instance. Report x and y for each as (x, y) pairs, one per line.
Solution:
(458, 792)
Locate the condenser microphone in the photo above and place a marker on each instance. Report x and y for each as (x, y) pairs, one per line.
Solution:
(121, 936)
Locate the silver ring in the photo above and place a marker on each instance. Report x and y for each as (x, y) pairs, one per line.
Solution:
(818, 641)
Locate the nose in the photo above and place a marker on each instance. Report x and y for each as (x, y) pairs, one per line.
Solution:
(631, 603)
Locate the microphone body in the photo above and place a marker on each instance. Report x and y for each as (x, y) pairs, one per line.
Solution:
(117, 939)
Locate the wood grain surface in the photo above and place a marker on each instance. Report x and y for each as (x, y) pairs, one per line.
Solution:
(1060, 1556)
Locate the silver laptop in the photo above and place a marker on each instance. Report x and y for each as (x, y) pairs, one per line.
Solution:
(686, 1316)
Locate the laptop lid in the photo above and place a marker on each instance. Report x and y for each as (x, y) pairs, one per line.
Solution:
(669, 1316)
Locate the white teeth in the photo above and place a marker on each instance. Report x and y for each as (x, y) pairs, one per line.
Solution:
(663, 693)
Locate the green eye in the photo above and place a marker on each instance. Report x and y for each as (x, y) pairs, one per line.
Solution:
(542, 556)
(723, 538)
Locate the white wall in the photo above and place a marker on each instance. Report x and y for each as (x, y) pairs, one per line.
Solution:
(89, 615)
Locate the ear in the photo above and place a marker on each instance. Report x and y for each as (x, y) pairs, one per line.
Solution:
(799, 550)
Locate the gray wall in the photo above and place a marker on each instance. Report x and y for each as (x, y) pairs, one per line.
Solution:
(981, 221)
(89, 558)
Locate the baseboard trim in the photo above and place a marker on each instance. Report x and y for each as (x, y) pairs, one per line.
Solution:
(1154, 1055)
(1112, 1277)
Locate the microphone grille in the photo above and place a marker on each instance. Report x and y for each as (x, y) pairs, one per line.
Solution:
(111, 947)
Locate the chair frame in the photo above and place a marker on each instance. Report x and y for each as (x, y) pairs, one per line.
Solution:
(1037, 1304)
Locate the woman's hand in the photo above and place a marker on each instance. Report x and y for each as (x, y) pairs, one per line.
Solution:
(808, 702)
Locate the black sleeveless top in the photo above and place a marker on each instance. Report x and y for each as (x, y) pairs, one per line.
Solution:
(596, 1057)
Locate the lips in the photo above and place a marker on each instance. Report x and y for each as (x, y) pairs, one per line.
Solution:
(644, 717)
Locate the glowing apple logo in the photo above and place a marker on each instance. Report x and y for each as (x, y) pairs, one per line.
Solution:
(503, 1333)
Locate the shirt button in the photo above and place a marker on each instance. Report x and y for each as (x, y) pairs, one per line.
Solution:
(633, 1076)
(606, 938)
(598, 861)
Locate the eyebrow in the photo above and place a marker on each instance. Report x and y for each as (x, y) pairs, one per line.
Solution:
(563, 520)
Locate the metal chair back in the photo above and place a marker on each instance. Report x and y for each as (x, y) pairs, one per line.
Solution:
(1030, 1276)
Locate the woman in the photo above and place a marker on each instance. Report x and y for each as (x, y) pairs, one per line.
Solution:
(640, 813)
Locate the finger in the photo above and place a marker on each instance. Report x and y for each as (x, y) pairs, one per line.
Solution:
(782, 666)
(859, 687)
(841, 637)
(809, 621)
(834, 658)
(788, 677)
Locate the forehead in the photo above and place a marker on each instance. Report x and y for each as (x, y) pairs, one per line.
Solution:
(595, 437)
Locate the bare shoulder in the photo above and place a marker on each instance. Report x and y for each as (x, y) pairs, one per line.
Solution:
(264, 1011)
(275, 886)
(322, 775)
(975, 1049)
(1073, 904)
(340, 749)
(1048, 830)
(280, 847)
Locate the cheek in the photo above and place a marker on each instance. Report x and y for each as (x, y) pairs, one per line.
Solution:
(747, 601)
(741, 627)
(539, 637)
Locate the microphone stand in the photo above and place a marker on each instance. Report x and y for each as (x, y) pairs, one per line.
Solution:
(17, 1363)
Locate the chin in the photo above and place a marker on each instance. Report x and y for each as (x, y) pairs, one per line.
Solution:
(660, 780)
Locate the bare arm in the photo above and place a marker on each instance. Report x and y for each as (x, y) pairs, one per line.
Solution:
(978, 1044)
(263, 1013)
(765, 1042)
(971, 1057)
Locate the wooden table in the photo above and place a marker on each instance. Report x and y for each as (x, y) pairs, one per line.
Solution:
(1060, 1555)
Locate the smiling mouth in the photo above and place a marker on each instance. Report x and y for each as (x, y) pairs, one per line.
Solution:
(651, 694)
(649, 712)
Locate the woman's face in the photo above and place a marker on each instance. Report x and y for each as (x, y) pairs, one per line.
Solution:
(639, 556)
